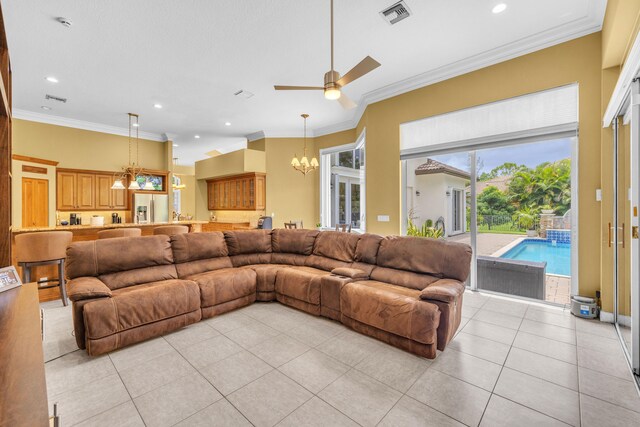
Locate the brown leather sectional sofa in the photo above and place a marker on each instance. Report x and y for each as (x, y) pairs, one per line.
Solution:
(405, 291)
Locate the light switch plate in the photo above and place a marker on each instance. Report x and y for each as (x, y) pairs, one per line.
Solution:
(383, 218)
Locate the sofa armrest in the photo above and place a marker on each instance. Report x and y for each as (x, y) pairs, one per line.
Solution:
(443, 290)
(87, 288)
(354, 273)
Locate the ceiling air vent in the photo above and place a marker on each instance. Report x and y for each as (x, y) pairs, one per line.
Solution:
(244, 93)
(55, 98)
(396, 13)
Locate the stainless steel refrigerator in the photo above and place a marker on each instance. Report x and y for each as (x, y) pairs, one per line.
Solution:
(150, 208)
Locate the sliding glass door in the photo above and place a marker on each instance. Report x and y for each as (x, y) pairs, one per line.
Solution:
(511, 203)
(624, 250)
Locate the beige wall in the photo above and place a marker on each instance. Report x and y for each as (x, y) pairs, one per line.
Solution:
(82, 149)
(291, 196)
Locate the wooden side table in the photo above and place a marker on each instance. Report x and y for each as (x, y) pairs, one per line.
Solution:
(23, 400)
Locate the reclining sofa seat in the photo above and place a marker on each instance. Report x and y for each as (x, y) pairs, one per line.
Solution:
(204, 259)
(125, 293)
(413, 296)
(402, 290)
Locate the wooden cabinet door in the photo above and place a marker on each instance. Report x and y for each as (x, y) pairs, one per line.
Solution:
(119, 199)
(85, 190)
(66, 191)
(232, 194)
(103, 192)
(35, 202)
(260, 197)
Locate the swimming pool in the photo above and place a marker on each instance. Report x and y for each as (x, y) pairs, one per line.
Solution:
(557, 256)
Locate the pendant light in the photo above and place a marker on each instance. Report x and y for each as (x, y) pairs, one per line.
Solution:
(304, 166)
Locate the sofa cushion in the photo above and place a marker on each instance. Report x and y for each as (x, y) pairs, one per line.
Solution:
(289, 259)
(408, 279)
(227, 284)
(436, 257)
(367, 248)
(293, 241)
(266, 275)
(354, 273)
(140, 305)
(394, 309)
(191, 268)
(103, 256)
(324, 263)
(247, 259)
(301, 283)
(336, 245)
(248, 241)
(123, 279)
(195, 246)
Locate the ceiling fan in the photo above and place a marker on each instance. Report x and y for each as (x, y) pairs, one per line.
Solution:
(333, 83)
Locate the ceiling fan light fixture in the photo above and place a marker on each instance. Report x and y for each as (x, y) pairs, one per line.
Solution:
(332, 93)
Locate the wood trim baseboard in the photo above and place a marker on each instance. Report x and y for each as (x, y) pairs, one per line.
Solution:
(34, 160)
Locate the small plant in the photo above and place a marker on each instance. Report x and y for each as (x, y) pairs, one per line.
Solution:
(424, 231)
(526, 218)
(429, 223)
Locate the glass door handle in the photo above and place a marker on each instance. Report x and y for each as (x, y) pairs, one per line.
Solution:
(610, 234)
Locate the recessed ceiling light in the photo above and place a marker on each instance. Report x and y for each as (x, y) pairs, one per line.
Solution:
(51, 79)
(197, 137)
(44, 107)
(158, 106)
(227, 123)
(176, 145)
(499, 8)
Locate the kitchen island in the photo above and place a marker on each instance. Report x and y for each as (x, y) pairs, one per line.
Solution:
(85, 233)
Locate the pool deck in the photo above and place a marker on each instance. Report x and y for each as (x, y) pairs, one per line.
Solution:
(558, 288)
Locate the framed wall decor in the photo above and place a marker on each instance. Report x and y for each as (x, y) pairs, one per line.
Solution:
(9, 278)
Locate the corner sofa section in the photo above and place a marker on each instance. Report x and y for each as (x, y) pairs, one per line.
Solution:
(405, 291)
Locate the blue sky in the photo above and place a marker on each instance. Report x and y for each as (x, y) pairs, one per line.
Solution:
(529, 155)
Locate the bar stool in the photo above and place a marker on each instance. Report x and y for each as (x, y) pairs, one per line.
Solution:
(171, 230)
(46, 248)
(119, 232)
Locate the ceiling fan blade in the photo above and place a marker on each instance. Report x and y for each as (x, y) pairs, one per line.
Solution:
(276, 87)
(346, 102)
(365, 66)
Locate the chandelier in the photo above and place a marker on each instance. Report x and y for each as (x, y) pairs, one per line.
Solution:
(133, 170)
(303, 165)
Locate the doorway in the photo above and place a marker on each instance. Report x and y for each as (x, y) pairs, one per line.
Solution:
(35, 202)
(457, 211)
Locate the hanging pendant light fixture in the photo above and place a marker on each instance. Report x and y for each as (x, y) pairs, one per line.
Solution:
(133, 169)
(176, 182)
(303, 165)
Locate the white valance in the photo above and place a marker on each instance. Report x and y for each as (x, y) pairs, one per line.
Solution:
(547, 112)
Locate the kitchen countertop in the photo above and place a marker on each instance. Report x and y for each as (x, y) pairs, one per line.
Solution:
(105, 226)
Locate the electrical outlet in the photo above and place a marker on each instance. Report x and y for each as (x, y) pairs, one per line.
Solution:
(383, 218)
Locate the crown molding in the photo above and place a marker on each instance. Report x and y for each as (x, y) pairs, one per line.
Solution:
(81, 124)
(581, 27)
(279, 134)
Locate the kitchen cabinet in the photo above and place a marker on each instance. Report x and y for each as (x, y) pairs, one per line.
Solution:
(105, 197)
(75, 191)
(238, 192)
(79, 190)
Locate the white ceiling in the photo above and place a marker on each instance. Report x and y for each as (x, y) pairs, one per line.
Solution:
(123, 56)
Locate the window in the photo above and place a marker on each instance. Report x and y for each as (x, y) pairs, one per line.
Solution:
(342, 185)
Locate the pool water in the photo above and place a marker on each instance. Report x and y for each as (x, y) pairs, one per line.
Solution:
(557, 256)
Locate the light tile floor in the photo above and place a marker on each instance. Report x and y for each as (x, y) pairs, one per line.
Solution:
(511, 363)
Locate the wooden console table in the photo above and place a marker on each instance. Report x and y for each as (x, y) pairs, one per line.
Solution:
(23, 399)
